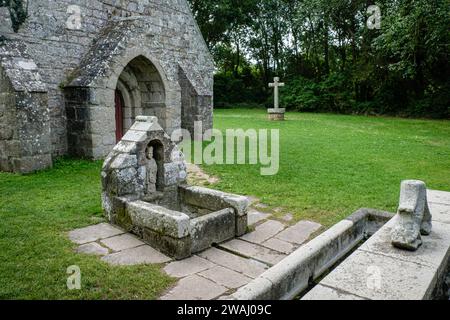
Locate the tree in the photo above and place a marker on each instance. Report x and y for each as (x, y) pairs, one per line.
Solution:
(327, 54)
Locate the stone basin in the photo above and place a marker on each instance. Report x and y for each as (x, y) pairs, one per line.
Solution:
(145, 192)
(203, 217)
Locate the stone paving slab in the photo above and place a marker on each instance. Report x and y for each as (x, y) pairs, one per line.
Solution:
(140, 255)
(195, 288)
(322, 293)
(398, 279)
(122, 242)
(254, 216)
(279, 245)
(441, 197)
(94, 233)
(264, 232)
(187, 267)
(226, 277)
(250, 250)
(248, 267)
(93, 248)
(440, 212)
(299, 233)
(431, 253)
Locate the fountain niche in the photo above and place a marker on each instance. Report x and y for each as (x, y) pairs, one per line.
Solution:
(145, 192)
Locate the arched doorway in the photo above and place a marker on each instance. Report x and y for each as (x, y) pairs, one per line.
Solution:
(140, 91)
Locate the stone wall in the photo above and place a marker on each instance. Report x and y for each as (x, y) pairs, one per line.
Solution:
(195, 107)
(57, 46)
(24, 118)
(8, 132)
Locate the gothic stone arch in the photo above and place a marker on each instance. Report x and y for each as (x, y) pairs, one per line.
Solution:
(145, 90)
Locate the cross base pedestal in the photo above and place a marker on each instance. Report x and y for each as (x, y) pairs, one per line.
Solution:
(276, 114)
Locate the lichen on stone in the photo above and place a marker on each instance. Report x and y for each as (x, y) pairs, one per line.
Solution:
(18, 11)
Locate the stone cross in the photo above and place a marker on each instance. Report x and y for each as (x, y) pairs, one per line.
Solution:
(276, 84)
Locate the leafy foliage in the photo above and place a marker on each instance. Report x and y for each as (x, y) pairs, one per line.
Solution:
(329, 58)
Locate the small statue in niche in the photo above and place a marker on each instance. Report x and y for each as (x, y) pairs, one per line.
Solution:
(152, 171)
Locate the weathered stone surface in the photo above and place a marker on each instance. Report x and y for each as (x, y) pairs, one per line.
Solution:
(94, 233)
(432, 252)
(195, 288)
(93, 248)
(172, 223)
(254, 251)
(264, 231)
(276, 114)
(288, 217)
(299, 233)
(25, 140)
(279, 245)
(92, 51)
(214, 199)
(255, 216)
(248, 267)
(188, 267)
(321, 292)
(122, 242)
(288, 279)
(212, 228)
(144, 191)
(173, 247)
(414, 218)
(436, 196)
(440, 212)
(398, 280)
(140, 255)
(226, 277)
(379, 271)
(258, 289)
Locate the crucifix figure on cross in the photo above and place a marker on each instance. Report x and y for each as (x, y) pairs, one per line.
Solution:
(276, 113)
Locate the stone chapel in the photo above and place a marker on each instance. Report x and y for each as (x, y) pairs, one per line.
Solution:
(75, 74)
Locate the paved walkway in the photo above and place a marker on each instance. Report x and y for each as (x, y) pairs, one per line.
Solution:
(212, 274)
(220, 271)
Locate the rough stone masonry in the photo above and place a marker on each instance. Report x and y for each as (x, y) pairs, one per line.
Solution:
(77, 73)
(144, 191)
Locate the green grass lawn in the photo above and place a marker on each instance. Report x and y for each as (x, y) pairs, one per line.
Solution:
(330, 166)
(36, 212)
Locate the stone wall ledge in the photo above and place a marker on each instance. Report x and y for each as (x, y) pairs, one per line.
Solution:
(293, 275)
(378, 271)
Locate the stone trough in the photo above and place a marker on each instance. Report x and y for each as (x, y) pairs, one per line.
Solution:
(295, 274)
(357, 259)
(145, 192)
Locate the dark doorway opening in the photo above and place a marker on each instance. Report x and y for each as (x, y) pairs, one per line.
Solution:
(119, 116)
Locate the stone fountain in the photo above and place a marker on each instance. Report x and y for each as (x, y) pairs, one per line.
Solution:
(145, 192)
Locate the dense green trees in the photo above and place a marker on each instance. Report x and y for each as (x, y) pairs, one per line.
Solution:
(329, 57)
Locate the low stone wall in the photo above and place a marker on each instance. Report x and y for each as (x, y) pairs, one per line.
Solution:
(379, 271)
(215, 200)
(294, 274)
(175, 233)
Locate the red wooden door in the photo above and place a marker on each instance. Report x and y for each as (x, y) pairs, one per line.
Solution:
(119, 116)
